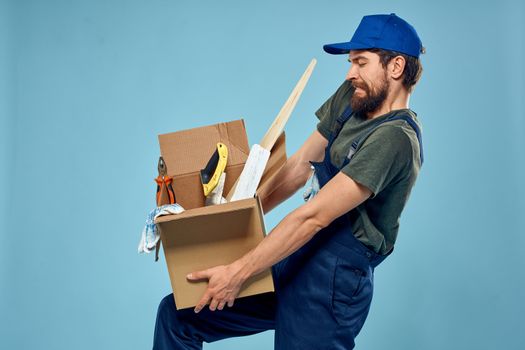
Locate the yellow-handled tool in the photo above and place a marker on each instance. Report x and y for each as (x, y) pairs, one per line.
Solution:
(212, 172)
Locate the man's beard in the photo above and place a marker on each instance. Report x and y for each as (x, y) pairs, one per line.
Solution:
(372, 100)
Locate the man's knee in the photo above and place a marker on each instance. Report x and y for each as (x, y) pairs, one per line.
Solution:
(171, 331)
(167, 314)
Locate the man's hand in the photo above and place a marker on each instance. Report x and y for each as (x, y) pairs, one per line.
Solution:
(224, 284)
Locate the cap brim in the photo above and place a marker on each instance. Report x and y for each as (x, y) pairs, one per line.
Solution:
(342, 48)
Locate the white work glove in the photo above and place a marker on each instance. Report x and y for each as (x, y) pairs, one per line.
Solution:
(313, 189)
(150, 234)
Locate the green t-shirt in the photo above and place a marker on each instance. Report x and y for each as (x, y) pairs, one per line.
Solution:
(386, 162)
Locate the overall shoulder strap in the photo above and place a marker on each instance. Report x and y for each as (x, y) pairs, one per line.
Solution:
(416, 129)
(339, 122)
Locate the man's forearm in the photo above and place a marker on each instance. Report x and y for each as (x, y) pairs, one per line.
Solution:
(289, 235)
(302, 224)
(292, 176)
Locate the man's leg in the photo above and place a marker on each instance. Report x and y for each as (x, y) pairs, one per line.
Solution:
(184, 329)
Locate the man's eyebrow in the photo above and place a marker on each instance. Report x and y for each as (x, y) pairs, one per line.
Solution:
(350, 59)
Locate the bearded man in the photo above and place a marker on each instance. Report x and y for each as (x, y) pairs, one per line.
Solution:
(366, 154)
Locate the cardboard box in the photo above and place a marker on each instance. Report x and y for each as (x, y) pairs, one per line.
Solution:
(203, 237)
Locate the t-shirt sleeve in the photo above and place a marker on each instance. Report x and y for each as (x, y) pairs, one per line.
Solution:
(382, 158)
(331, 109)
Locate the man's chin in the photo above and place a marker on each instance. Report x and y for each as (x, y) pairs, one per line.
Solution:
(357, 104)
(358, 99)
(361, 107)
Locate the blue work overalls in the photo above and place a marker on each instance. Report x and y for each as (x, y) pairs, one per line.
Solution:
(323, 290)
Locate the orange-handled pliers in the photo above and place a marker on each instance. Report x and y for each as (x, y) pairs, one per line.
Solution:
(163, 178)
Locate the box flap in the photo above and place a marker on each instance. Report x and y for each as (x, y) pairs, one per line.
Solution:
(188, 151)
(210, 210)
(276, 161)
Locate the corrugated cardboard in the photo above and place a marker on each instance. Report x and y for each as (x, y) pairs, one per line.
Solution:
(204, 237)
(187, 152)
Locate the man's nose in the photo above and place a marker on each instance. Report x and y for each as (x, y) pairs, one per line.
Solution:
(352, 73)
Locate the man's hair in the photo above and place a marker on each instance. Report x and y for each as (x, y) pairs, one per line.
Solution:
(413, 67)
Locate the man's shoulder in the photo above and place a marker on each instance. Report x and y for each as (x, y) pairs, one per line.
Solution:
(404, 120)
(341, 97)
(343, 92)
(333, 107)
(399, 134)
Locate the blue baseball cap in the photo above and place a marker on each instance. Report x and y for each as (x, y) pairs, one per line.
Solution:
(388, 32)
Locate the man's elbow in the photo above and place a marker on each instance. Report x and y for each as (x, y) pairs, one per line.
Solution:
(313, 220)
(301, 170)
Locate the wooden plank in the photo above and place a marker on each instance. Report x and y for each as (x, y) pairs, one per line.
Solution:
(282, 117)
(278, 124)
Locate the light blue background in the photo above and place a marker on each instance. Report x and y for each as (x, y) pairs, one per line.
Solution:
(86, 86)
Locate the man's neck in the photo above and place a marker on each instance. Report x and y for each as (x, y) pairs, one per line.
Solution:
(392, 103)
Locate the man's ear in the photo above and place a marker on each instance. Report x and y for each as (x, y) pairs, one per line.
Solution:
(396, 67)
